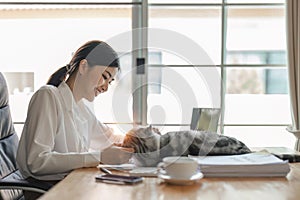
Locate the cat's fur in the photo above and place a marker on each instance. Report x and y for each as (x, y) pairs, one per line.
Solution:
(150, 146)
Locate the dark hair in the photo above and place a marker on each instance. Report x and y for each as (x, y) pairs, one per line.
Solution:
(95, 52)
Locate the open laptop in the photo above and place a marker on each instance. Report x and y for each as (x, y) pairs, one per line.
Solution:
(205, 119)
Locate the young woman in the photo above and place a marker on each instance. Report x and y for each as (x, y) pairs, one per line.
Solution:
(60, 133)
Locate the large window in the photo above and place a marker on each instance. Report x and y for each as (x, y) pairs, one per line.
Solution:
(243, 41)
(246, 42)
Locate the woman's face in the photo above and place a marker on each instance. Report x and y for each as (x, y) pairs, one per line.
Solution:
(98, 79)
(107, 77)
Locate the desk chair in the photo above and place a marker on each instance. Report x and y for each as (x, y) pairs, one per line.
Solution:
(205, 119)
(12, 183)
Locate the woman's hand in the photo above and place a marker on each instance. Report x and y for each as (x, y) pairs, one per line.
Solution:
(116, 154)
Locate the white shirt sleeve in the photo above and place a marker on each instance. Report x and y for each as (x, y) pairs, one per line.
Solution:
(101, 136)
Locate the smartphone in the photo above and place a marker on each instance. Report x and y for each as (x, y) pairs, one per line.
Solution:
(119, 179)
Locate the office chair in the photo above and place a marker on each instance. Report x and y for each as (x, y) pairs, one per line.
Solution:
(12, 183)
(205, 119)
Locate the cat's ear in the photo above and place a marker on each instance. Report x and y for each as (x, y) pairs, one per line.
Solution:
(156, 130)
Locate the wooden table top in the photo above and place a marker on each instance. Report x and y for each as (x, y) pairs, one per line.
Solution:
(81, 184)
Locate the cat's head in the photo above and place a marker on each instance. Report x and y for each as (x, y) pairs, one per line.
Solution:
(145, 141)
(142, 139)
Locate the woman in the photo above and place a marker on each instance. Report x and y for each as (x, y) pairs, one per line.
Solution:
(60, 133)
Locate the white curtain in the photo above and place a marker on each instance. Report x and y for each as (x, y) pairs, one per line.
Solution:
(293, 45)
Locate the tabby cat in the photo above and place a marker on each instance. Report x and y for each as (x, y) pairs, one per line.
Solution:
(150, 146)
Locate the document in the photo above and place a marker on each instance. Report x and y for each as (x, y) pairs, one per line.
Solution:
(144, 171)
(132, 169)
(124, 167)
(246, 165)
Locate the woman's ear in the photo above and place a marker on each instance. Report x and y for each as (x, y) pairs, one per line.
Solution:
(83, 65)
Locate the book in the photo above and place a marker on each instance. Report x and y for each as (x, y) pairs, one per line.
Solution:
(256, 164)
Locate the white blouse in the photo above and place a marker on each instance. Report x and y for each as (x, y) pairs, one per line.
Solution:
(60, 135)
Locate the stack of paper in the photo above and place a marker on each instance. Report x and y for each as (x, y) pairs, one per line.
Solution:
(245, 165)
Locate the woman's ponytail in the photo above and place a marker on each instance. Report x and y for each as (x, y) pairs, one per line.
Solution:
(57, 77)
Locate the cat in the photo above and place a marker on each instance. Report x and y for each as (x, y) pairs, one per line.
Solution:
(150, 146)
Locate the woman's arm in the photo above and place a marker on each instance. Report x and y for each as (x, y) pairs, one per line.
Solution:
(36, 149)
(103, 138)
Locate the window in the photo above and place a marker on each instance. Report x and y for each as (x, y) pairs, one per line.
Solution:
(256, 99)
(246, 42)
(242, 41)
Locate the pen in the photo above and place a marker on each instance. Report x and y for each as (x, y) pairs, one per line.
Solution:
(106, 171)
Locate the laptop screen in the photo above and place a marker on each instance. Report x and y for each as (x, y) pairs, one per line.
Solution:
(205, 119)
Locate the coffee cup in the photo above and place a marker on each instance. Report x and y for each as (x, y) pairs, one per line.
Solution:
(178, 167)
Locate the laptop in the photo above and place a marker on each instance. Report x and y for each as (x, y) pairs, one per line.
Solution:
(205, 119)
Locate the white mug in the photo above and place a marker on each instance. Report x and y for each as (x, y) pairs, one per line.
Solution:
(178, 167)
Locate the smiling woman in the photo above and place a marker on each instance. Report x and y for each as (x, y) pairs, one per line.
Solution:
(60, 133)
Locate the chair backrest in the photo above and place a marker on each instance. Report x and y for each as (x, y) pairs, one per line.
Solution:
(205, 119)
(8, 141)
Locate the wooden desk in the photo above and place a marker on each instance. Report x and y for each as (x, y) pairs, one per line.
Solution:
(81, 184)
